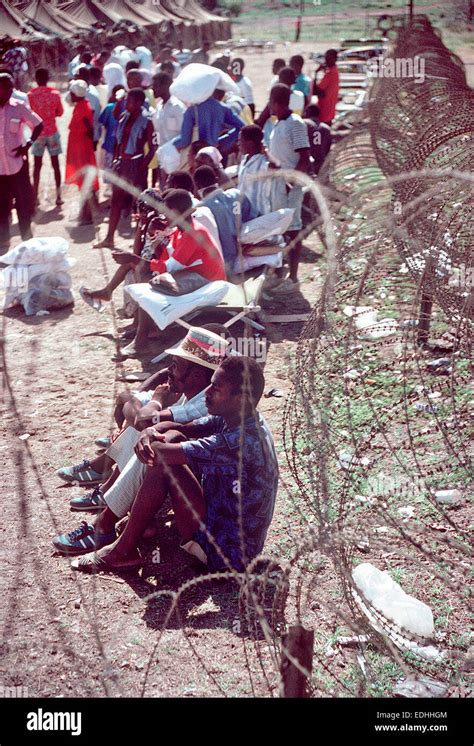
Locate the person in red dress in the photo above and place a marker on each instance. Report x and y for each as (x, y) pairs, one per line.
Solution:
(80, 148)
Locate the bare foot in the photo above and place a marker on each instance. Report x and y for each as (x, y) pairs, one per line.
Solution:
(107, 243)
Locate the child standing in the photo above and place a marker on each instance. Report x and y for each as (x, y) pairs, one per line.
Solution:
(46, 102)
(289, 149)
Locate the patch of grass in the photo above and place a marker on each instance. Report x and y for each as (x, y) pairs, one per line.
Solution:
(398, 574)
(444, 609)
(461, 641)
(384, 674)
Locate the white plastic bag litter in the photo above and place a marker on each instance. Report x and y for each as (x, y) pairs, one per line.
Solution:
(37, 275)
(272, 224)
(389, 598)
(46, 291)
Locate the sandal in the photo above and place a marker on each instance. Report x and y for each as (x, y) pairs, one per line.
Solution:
(93, 562)
(94, 303)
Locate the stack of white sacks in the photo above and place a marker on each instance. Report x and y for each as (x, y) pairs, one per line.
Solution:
(37, 275)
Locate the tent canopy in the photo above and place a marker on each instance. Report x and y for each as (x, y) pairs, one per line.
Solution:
(52, 17)
(88, 12)
(32, 20)
(16, 25)
(138, 13)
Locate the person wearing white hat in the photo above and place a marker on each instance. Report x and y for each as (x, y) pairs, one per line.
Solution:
(80, 147)
(220, 472)
(212, 157)
(194, 361)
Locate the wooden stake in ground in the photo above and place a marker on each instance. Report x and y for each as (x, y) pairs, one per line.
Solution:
(297, 645)
(426, 306)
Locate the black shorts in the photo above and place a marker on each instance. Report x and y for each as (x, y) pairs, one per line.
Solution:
(135, 175)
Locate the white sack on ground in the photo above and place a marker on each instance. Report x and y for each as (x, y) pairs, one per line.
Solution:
(37, 276)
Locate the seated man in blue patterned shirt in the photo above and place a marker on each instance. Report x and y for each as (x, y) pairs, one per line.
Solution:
(222, 478)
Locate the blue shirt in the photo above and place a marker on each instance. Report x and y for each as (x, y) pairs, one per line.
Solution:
(138, 132)
(230, 209)
(108, 121)
(302, 83)
(213, 118)
(234, 495)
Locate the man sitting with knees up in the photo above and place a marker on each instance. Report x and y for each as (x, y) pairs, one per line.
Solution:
(194, 362)
(220, 472)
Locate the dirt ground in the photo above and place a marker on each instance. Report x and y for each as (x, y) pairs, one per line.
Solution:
(79, 636)
(70, 635)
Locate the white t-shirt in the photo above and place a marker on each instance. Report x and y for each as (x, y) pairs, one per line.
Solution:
(168, 119)
(114, 75)
(297, 102)
(204, 216)
(287, 137)
(259, 191)
(274, 81)
(246, 90)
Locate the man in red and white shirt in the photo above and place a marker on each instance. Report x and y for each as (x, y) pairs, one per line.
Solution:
(46, 102)
(186, 258)
(14, 177)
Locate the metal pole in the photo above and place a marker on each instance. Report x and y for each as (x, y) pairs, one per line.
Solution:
(410, 9)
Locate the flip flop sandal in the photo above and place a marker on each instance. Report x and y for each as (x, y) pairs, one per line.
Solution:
(275, 392)
(94, 303)
(134, 377)
(131, 351)
(93, 563)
